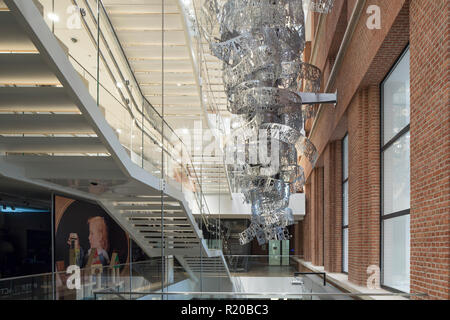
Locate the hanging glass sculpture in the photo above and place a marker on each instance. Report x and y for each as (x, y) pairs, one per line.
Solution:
(260, 43)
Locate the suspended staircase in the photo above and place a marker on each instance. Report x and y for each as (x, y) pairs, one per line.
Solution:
(54, 134)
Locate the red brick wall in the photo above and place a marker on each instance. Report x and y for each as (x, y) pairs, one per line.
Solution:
(370, 51)
(313, 226)
(331, 27)
(317, 256)
(430, 148)
(314, 240)
(364, 183)
(333, 207)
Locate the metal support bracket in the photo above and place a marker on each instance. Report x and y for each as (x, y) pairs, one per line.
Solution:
(318, 98)
(162, 184)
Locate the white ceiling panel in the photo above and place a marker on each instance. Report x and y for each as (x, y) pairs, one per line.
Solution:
(169, 77)
(156, 65)
(146, 21)
(170, 89)
(155, 52)
(169, 8)
(151, 37)
(174, 100)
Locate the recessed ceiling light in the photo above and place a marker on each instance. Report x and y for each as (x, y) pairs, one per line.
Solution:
(179, 84)
(53, 17)
(119, 85)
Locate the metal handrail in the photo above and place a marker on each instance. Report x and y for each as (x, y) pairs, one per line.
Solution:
(278, 294)
(110, 291)
(25, 277)
(87, 268)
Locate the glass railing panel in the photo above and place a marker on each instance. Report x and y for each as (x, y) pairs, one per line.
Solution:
(90, 280)
(174, 171)
(152, 156)
(73, 30)
(151, 135)
(118, 60)
(35, 287)
(118, 115)
(154, 120)
(80, 36)
(111, 282)
(120, 119)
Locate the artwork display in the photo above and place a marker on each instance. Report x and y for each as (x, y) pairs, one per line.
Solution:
(260, 43)
(87, 237)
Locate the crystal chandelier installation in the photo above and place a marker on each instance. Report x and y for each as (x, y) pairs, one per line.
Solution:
(260, 43)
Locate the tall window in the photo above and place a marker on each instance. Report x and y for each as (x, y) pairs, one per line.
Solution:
(395, 91)
(345, 204)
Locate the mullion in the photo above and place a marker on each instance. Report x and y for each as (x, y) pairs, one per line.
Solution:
(396, 214)
(397, 137)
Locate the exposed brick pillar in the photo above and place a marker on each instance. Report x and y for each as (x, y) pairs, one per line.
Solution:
(317, 217)
(306, 225)
(364, 183)
(312, 218)
(333, 206)
(430, 148)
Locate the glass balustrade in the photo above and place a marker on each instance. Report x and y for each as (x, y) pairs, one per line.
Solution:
(247, 278)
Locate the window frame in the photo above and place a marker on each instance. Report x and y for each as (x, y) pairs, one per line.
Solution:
(383, 148)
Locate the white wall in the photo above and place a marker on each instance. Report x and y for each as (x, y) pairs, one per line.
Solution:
(234, 207)
(268, 285)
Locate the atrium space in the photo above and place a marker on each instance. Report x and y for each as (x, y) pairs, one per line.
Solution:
(249, 150)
